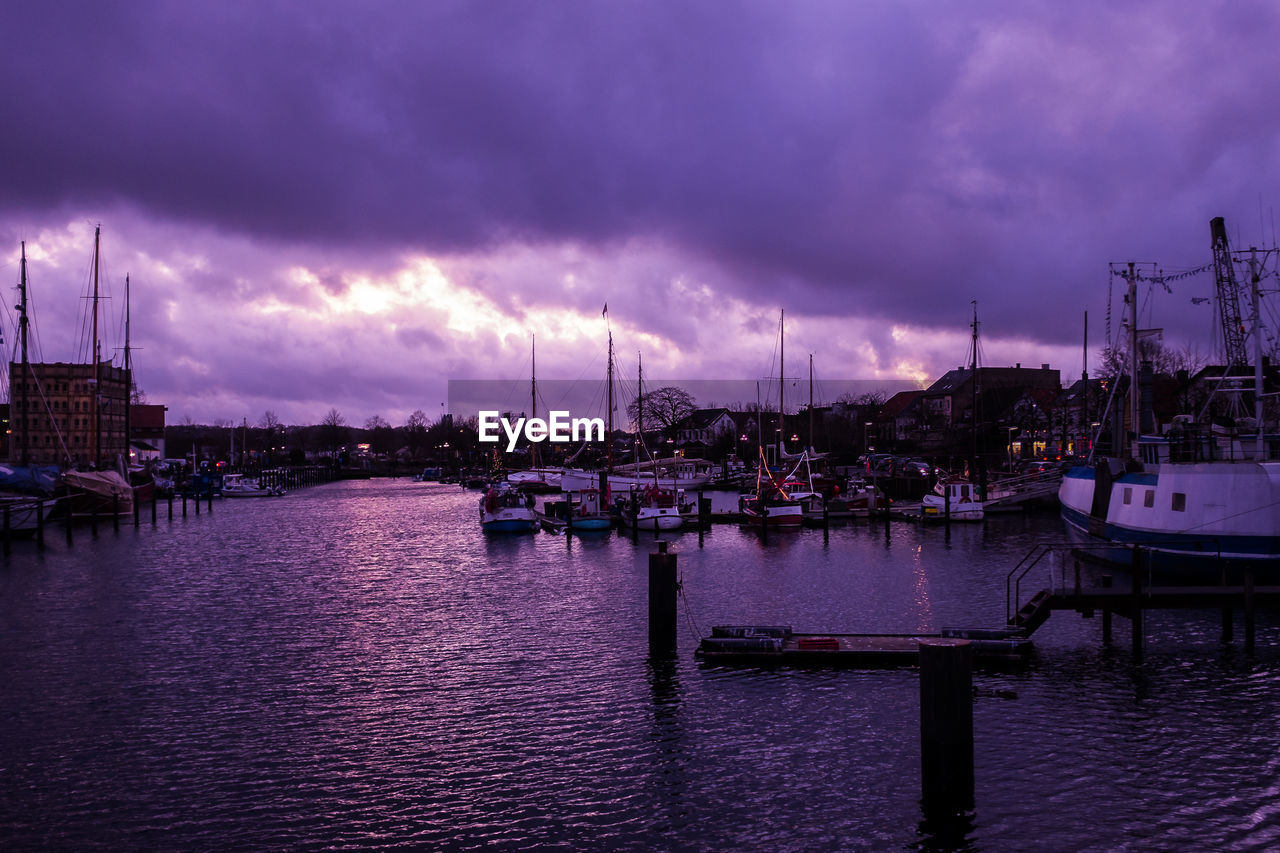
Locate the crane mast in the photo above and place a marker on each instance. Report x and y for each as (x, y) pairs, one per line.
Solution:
(1228, 292)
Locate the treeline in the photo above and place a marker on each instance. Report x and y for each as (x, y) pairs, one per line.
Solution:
(271, 442)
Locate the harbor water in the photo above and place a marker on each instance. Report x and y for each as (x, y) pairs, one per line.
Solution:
(356, 666)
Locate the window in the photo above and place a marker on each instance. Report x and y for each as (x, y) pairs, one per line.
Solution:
(1128, 495)
(1149, 499)
(1179, 502)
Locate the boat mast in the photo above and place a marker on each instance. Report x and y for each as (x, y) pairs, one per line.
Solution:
(973, 366)
(608, 437)
(22, 337)
(782, 372)
(1257, 349)
(811, 403)
(97, 377)
(1084, 383)
(1132, 298)
(533, 395)
(128, 381)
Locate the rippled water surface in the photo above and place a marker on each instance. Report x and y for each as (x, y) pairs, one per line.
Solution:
(356, 666)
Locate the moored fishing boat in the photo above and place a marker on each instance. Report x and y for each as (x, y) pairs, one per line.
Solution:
(955, 500)
(1203, 500)
(505, 510)
(654, 508)
(236, 486)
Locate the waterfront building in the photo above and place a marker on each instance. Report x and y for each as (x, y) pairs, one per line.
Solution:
(67, 414)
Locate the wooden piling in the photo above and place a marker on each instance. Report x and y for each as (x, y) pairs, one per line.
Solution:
(67, 523)
(115, 511)
(40, 527)
(663, 590)
(153, 510)
(184, 504)
(7, 523)
(946, 725)
(137, 510)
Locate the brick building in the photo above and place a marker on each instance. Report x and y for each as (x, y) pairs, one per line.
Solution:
(53, 419)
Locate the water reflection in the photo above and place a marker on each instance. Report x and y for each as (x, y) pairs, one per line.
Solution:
(357, 665)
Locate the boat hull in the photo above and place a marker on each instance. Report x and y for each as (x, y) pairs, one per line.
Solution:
(509, 521)
(1197, 518)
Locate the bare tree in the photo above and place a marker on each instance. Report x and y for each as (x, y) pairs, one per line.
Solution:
(664, 406)
(415, 429)
(334, 430)
(269, 420)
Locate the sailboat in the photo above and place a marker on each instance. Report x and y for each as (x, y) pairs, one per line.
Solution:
(1201, 500)
(678, 472)
(26, 490)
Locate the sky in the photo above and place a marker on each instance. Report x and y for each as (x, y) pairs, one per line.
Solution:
(344, 206)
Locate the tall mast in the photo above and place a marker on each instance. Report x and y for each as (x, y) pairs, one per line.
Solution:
(97, 378)
(1257, 348)
(608, 436)
(22, 337)
(533, 395)
(128, 380)
(782, 373)
(1084, 382)
(973, 366)
(810, 401)
(1132, 298)
(639, 399)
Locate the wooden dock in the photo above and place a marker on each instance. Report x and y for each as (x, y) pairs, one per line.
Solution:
(778, 645)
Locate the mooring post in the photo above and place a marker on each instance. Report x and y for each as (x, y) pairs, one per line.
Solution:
(67, 521)
(6, 528)
(1106, 613)
(184, 504)
(153, 509)
(764, 521)
(137, 510)
(946, 503)
(40, 526)
(1135, 600)
(115, 511)
(210, 497)
(93, 521)
(196, 501)
(946, 725)
(1248, 610)
(663, 589)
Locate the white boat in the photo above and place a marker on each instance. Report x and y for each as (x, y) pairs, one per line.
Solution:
(678, 472)
(958, 498)
(503, 509)
(1199, 499)
(653, 508)
(536, 477)
(235, 486)
(93, 493)
(1200, 512)
(24, 513)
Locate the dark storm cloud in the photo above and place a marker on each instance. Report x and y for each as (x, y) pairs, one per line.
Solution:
(890, 160)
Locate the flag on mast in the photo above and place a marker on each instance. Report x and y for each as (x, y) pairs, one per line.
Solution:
(605, 311)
